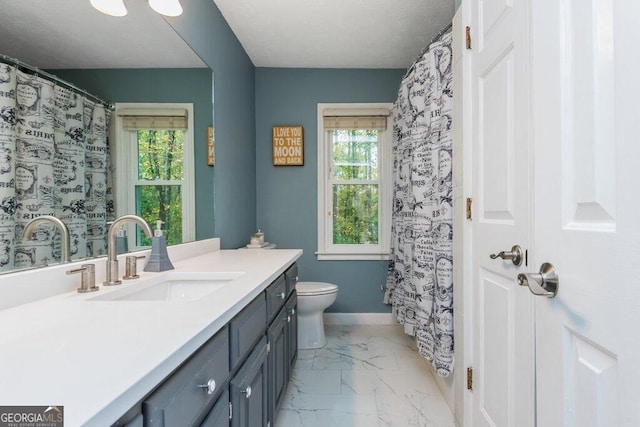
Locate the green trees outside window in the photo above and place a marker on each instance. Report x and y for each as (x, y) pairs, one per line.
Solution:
(354, 176)
(160, 175)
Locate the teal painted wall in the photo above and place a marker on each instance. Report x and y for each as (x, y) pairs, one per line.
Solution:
(163, 85)
(287, 196)
(204, 28)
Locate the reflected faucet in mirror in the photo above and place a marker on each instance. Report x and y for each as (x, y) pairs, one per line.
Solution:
(112, 253)
(65, 245)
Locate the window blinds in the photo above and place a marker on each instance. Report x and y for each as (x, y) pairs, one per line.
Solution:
(153, 118)
(355, 122)
(364, 118)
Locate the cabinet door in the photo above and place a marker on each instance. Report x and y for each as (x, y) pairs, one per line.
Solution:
(249, 390)
(185, 396)
(219, 414)
(278, 361)
(245, 330)
(292, 330)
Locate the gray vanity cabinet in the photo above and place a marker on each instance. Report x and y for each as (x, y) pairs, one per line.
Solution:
(248, 390)
(278, 361)
(239, 377)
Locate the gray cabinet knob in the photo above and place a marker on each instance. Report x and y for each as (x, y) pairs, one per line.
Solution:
(246, 392)
(210, 386)
(282, 295)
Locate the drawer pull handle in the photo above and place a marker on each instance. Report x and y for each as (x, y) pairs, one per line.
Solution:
(246, 392)
(293, 311)
(210, 386)
(289, 319)
(282, 295)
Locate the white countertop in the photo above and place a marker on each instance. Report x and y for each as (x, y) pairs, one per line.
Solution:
(99, 358)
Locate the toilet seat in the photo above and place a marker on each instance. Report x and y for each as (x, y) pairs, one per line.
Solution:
(315, 288)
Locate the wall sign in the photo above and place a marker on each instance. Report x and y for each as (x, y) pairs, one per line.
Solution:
(211, 154)
(288, 146)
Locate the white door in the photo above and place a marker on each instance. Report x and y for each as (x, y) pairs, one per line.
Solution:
(503, 343)
(587, 211)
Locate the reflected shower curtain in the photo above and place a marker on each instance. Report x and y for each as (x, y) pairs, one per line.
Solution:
(420, 279)
(53, 161)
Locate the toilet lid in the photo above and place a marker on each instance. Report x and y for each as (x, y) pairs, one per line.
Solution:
(315, 288)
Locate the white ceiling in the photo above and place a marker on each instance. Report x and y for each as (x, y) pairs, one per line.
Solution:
(53, 34)
(335, 33)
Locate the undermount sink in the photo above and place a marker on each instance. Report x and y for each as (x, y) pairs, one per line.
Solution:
(171, 287)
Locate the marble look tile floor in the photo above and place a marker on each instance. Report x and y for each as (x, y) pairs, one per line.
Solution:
(366, 375)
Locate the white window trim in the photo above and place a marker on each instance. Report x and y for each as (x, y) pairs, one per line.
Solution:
(326, 250)
(125, 152)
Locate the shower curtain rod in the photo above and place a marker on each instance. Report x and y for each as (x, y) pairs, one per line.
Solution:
(426, 48)
(38, 72)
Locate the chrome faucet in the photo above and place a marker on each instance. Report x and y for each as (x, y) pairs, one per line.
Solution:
(65, 245)
(112, 256)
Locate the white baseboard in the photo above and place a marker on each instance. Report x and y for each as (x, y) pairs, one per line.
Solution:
(358, 319)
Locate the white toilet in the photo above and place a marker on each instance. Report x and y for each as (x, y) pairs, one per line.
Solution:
(313, 299)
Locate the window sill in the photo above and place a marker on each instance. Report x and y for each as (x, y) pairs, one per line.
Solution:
(351, 257)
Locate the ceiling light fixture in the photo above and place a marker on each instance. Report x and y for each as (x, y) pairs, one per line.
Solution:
(110, 7)
(166, 7)
(116, 7)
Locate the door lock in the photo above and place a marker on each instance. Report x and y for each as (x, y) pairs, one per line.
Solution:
(545, 283)
(514, 255)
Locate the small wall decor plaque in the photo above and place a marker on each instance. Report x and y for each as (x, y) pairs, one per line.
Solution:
(288, 146)
(211, 154)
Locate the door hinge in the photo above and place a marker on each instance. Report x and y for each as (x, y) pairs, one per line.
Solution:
(469, 201)
(268, 347)
(468, 37)
(230, 410)
(469, 378)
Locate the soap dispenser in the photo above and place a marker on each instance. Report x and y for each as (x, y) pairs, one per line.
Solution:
(159, 258)
(122, 245)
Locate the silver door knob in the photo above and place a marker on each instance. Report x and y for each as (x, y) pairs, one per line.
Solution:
(544, 283)
(514, 255)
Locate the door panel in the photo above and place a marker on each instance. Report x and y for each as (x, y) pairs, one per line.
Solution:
(585, 87)
(503, 351)
(496, 150)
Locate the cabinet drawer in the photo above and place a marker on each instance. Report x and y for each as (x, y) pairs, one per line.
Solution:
(219, 414)
(245, 329)
(291, 278)
(180, 400)
(276, 295)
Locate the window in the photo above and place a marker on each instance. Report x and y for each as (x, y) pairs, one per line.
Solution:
(154, 169)
(354, 181)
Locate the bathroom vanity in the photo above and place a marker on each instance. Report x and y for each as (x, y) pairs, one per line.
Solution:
(125, 356)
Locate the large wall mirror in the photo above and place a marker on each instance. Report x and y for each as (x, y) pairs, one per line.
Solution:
(134, 59)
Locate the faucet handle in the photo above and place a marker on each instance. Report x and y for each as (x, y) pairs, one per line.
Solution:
(88, 278)
(131, 267)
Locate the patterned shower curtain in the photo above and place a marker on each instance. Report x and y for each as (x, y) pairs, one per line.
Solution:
(54, 160)
(420, 279)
